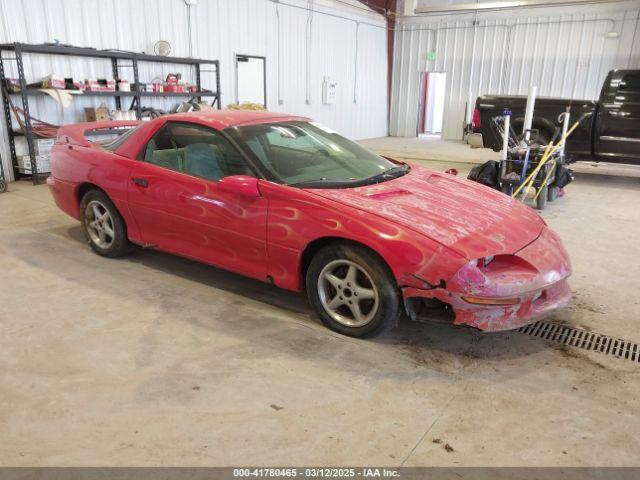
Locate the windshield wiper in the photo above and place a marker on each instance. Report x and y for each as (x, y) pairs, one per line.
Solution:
(393, 172)
(320, 181)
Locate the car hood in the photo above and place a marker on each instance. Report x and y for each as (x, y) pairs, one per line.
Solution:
(474, 220)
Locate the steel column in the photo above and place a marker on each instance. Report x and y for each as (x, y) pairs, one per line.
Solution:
(28, 131)
(116, 76)
(7, 116)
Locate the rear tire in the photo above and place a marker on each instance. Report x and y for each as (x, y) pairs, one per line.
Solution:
(3, 186)
(103, 225)
(352, 290)
(552, 193)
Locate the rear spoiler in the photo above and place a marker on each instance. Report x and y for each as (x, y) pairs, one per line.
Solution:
(75, 134)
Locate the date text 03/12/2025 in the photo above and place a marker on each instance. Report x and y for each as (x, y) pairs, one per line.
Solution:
(315, 473)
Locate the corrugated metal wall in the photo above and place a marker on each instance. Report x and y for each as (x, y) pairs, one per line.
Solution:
(219, 29)
(563, 51)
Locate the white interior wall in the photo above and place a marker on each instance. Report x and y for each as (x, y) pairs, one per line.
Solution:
(219, 29)
(562, 50)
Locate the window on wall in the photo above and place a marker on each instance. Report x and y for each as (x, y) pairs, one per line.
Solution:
(195, 150)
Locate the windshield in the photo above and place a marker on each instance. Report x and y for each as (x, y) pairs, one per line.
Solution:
(308, 154)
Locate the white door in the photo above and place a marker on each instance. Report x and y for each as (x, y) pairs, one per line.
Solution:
(250, 79)
(434, 105)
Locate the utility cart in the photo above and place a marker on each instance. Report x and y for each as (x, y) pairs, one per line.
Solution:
(528, 163)
(520, 163)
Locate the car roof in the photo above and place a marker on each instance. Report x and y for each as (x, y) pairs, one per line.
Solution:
(221, 119)
(217, 119)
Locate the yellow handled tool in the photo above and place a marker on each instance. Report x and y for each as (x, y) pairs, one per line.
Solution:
(545, 157)
(544, 182)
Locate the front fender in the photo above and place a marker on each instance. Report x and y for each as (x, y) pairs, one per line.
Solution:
(297, 217)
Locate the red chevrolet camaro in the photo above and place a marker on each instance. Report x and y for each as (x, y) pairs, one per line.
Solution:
(285, 200)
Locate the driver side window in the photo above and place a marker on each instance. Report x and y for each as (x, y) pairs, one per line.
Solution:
(195, 150)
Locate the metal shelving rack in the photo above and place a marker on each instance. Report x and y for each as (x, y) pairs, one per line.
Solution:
(116, 57)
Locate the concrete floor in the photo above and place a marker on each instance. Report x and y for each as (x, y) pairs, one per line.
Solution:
(157, 360)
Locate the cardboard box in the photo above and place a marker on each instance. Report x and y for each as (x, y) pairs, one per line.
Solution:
(51, 81)
(42, 146)
(43, 163)
(97, 114)
(100, 84)
(25, 161)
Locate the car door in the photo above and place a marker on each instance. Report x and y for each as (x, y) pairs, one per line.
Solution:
(174, 197)
(618, 119)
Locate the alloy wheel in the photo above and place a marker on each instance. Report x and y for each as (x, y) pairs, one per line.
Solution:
(99, 224)
(347, 293)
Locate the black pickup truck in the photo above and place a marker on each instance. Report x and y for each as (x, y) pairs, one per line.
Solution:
(610, 133)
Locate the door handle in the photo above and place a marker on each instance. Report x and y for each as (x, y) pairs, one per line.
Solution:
(141, 182)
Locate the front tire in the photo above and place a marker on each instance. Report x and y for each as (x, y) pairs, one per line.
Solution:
(103, 226)
(352, 290)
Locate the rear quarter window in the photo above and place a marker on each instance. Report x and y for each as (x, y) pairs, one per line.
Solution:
(113, 144)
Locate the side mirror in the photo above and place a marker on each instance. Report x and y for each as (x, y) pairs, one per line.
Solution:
(240, 185)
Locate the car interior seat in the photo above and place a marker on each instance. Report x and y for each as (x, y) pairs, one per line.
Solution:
(203, 160)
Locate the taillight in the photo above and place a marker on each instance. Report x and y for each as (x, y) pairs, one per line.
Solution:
(476, 118)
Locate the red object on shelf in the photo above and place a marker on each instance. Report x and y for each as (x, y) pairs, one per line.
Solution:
(174, 88)
(100, 85)
(173, 85)
(173, 78)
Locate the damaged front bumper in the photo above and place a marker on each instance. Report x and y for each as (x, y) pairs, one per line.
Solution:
(495, 318)
(511, 291)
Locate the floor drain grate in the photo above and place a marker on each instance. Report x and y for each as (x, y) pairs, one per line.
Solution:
(575, 337)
